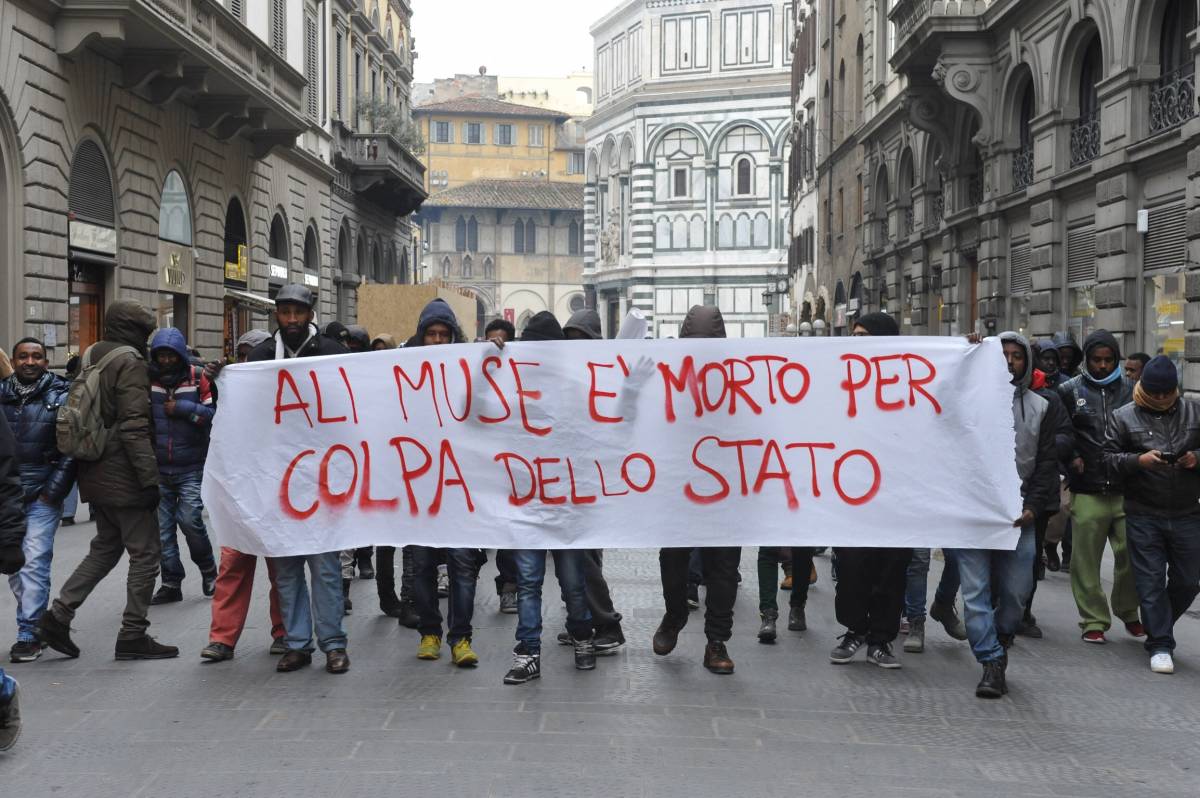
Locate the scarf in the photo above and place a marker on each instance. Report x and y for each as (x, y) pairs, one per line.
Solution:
(282, 350)
(1109, 380)
(1147, 402)
(23, 391)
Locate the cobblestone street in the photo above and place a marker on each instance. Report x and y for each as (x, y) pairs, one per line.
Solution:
(1081, 720)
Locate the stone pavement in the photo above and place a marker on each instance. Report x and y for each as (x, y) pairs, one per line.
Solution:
(1080, 721)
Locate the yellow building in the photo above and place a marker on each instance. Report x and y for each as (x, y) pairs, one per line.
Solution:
(478, 138)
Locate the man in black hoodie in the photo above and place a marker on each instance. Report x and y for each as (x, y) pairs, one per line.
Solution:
(719, 564)
(1097, 503)
(297, 336)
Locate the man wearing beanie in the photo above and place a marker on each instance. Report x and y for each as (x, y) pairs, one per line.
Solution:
(1097, 504)
(1153, 444)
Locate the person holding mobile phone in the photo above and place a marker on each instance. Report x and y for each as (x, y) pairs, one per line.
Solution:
(1154, 443)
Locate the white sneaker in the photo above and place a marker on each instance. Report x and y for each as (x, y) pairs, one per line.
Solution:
(1161, 662)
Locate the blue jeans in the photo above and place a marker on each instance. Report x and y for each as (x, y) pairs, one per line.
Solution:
(328, 604)
(180, 504)
(31, 585)
(995, 587)
(71, 503)
(462, 566)
(1165, 555)
(917, 586)
(7, 685)
(531, 574)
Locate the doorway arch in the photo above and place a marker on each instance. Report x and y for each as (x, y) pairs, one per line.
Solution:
(11, 207)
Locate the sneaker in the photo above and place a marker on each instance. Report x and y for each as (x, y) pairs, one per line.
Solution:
(508, 602)
(1095, 636)
(716, 658)
(278, 647)
(766, 630)
(947, 616)
(56, 635)
(608, 642)
(144, 647)
(462, 655)
(1135, 629)
(693, 596)
(216, 652)
(25, 651)
(1161, 662)
(443, 582)
(167, 595)
(409, 617)
(915, 643)
(993, 684)
(208, 584)
(430, 647)
(585, 654)
(846, 650)
(881, 654)
(10, 720)
(525, 668)
(904, 626)
(797, 621)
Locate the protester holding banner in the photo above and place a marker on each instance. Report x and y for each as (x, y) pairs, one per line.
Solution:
(1154, 444)
(1097, 501)
(531, 575)
(298, 337)
(871, 581)
(719, 564)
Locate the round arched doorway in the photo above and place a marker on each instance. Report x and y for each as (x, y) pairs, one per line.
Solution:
(92, 244)
(10, 226)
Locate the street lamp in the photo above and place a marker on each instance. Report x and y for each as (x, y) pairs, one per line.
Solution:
(819, 327)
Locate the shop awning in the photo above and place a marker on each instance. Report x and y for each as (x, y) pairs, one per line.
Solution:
(253, 301)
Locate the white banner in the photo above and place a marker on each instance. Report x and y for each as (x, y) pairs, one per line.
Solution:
(611, 444)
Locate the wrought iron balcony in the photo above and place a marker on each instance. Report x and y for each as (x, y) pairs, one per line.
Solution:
(382, 170)
(1085, 139)
(920, 23)
(1173, 99)
(1022, 167)
(195, 52)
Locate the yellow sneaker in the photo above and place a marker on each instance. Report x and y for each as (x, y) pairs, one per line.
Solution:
(462, 654)
(430, 647)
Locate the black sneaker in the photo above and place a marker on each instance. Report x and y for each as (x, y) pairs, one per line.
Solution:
(278, 647)
(608, 642)
(881, 654)
(10, 720)
(508, 602)
(144, 647)
(525, 668)
(216, 652)
(564, 639)
(25, 651)
(56, 635)
(585, 654)
(846, 650)
(208, 584)
(167, 595)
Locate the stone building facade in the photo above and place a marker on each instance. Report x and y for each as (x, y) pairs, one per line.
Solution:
(806, 222)
(177, 152)
(1034, 166)
(686, 199)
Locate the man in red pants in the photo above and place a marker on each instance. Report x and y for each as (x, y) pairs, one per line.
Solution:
(231, 603)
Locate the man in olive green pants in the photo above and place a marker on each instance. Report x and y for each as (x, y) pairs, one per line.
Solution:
(1098, 504)
(1096, 518)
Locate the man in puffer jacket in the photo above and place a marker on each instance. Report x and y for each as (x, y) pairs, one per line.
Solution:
(1098, 502)
(30, 399)
(181, 400)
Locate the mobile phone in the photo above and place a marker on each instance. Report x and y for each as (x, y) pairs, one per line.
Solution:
(1170, 458)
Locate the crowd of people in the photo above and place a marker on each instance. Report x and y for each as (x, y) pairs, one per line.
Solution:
(1106, 451)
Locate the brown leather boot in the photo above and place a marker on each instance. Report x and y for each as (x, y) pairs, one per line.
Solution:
(666, 637)
(337, 661)
(293, 660)
(716, 658)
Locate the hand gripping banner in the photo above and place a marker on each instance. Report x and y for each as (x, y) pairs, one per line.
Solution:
(894, 441)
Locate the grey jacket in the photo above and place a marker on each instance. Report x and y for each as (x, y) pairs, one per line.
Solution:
(1036, 459)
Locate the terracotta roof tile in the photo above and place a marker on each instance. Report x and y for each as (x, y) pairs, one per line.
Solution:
(520, 194)
(485, 106)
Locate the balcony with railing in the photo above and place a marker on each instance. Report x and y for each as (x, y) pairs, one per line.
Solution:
(921, 23)
(195, 52)
(381, 169)
(1022, 168)
(1173, 99)
(1085, 139)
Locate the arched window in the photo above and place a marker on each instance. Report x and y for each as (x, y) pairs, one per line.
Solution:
(402, 277)
(762, 231)
(662, 233)
(742, 238)
(446, 268)
(839, 105)
(235, 240)
(857, 89)
(467, 266)
(312, 253)
(530, 237)
(377, 263)
(174, 212)
(743, 182)
(460, 235)
(573, 244)
(679, 233)
(472, 235)
(1172, 99)
(362, 254)
(519, 237)
(1085, 133)
(277, 245)
(489, 269)
(1023, 157)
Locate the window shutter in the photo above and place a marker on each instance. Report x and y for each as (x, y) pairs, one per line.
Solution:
(238, 9)
(91, 192)
(1081, 255)
(1019, 261)
(310, 66)
(339, 68)
(1166, 240)
(279, 27)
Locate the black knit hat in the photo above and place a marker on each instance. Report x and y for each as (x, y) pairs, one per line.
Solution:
(878, 324)
(1160, 375)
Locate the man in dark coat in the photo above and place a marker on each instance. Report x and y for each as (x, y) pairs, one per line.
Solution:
(12, 557)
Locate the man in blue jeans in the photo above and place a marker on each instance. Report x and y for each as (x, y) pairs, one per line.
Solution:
(995, 583)
(1154, 443)
(30, 399)
(181, 400)
(12, 557)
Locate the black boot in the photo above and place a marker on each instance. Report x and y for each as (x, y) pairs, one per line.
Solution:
(362, 558)
(346, 597)
(389, 602)
(992, 685)
(409, 617)
(1053, 563)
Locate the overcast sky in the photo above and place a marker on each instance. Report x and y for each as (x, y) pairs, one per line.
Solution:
(542, 38)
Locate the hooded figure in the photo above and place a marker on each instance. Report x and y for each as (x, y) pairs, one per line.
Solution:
(180, 433)
(1048, 360)
(358, 339)
(878, 324)
(438, 311)
(1091, 399)
(1035, 452)
(542, 327)
(1069, 353)
(703, 321)
(584, 324)
(383, 341)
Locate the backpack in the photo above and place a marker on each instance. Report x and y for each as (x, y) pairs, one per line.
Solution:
(79, 428)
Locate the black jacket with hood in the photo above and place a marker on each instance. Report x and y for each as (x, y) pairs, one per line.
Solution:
(438, 311)
(703, 321)
(586, 321)
(542, 327)
(1037, 460)
(12, 496)
(1091, 407)
(1063, 340)
(1170, 493)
